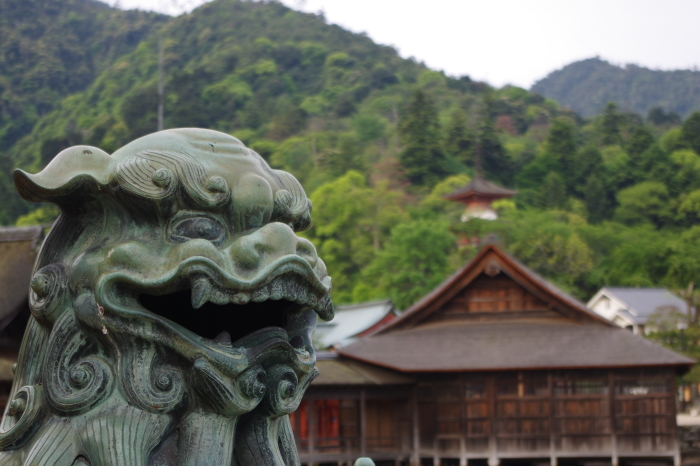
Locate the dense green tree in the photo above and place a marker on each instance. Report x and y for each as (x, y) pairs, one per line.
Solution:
(351, 222)
(640, 141)
(422, 156)
(685, 174)
(413, 262)
(561, 146)
(459, 141)
(644, 202)
(596, 199)
(347, 156)
(658, 117)
(690, 133)
(553, 192)
(611, 125)
(495, 163)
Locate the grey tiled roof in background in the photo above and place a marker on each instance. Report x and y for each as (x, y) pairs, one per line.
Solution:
(642, 302)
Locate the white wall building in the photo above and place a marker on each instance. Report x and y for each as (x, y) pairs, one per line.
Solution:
(352, 321)
(631, 307)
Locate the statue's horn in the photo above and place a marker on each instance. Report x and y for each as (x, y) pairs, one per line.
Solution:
(70, 169)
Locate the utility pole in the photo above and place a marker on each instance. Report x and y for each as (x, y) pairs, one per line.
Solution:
(160, 83)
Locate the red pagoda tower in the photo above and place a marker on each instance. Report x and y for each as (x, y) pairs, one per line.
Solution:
(478, 196)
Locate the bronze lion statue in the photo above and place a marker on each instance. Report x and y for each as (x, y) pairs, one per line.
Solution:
(172, 309)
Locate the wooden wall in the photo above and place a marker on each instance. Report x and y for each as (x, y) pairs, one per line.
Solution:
(533, 414)
(548, 414)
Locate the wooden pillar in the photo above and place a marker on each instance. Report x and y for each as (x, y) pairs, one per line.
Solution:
(363, 424)
(676, 441)
(552, 439)
(415, 454)
(311, 419)
(491, 396)
(613, 438)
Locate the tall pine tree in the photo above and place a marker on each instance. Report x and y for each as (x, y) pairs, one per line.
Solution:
(495, 163)
(459, 141)
(690, 134)
(422, 156)
(611, 131)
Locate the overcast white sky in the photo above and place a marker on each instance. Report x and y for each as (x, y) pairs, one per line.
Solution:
(511, 41)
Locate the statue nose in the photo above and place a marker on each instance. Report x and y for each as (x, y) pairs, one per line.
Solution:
(269, 243)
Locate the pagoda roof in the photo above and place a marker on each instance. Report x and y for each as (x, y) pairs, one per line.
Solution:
(480, 186)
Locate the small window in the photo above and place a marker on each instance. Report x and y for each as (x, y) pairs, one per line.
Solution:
(507, 385)
(580, 387)
(535, 387)
(473, 391)
(448, 392)
(641, 387)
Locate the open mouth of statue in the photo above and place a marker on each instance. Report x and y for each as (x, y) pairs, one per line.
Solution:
(229, 314)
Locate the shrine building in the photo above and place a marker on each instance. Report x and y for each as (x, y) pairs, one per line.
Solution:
(495, 366)
(478, 195)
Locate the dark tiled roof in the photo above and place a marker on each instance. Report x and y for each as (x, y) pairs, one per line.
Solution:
(523, 344)
(480, 186)
(342, 371)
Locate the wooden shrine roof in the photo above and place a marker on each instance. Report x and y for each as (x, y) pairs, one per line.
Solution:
(341, 371)
(496, 314)
(522, 345)
(479, 186)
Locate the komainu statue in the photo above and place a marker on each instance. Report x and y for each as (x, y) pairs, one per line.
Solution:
(172, 309)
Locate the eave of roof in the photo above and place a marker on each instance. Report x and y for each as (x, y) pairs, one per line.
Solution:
(536, 344)
(339, 371)
(479, 186)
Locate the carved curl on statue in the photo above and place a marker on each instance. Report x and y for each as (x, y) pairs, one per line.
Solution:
(173, 306)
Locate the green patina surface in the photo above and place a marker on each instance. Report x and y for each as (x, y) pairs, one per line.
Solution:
(173, 306)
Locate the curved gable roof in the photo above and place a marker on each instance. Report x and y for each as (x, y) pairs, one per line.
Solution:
(568, 335)
(492, 260)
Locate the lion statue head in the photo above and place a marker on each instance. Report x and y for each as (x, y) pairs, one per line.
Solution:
(172, 308)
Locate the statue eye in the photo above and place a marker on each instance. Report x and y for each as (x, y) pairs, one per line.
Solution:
(198, 228)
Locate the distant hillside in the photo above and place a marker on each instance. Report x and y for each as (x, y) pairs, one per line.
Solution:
(50, 49)
(587, 85)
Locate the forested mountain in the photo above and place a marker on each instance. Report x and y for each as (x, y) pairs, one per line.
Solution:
(50, 49)
(377, 140)
(587, 85)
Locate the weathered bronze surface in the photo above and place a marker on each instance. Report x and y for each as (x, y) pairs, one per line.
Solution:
(173, 306)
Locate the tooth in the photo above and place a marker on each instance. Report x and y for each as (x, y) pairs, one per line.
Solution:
(301, 297)
(241, 298)
(201, 290)
(311, 300)
(277, 290)
(219, 298)
(223, 339)
(261, 294)
(324, 309)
